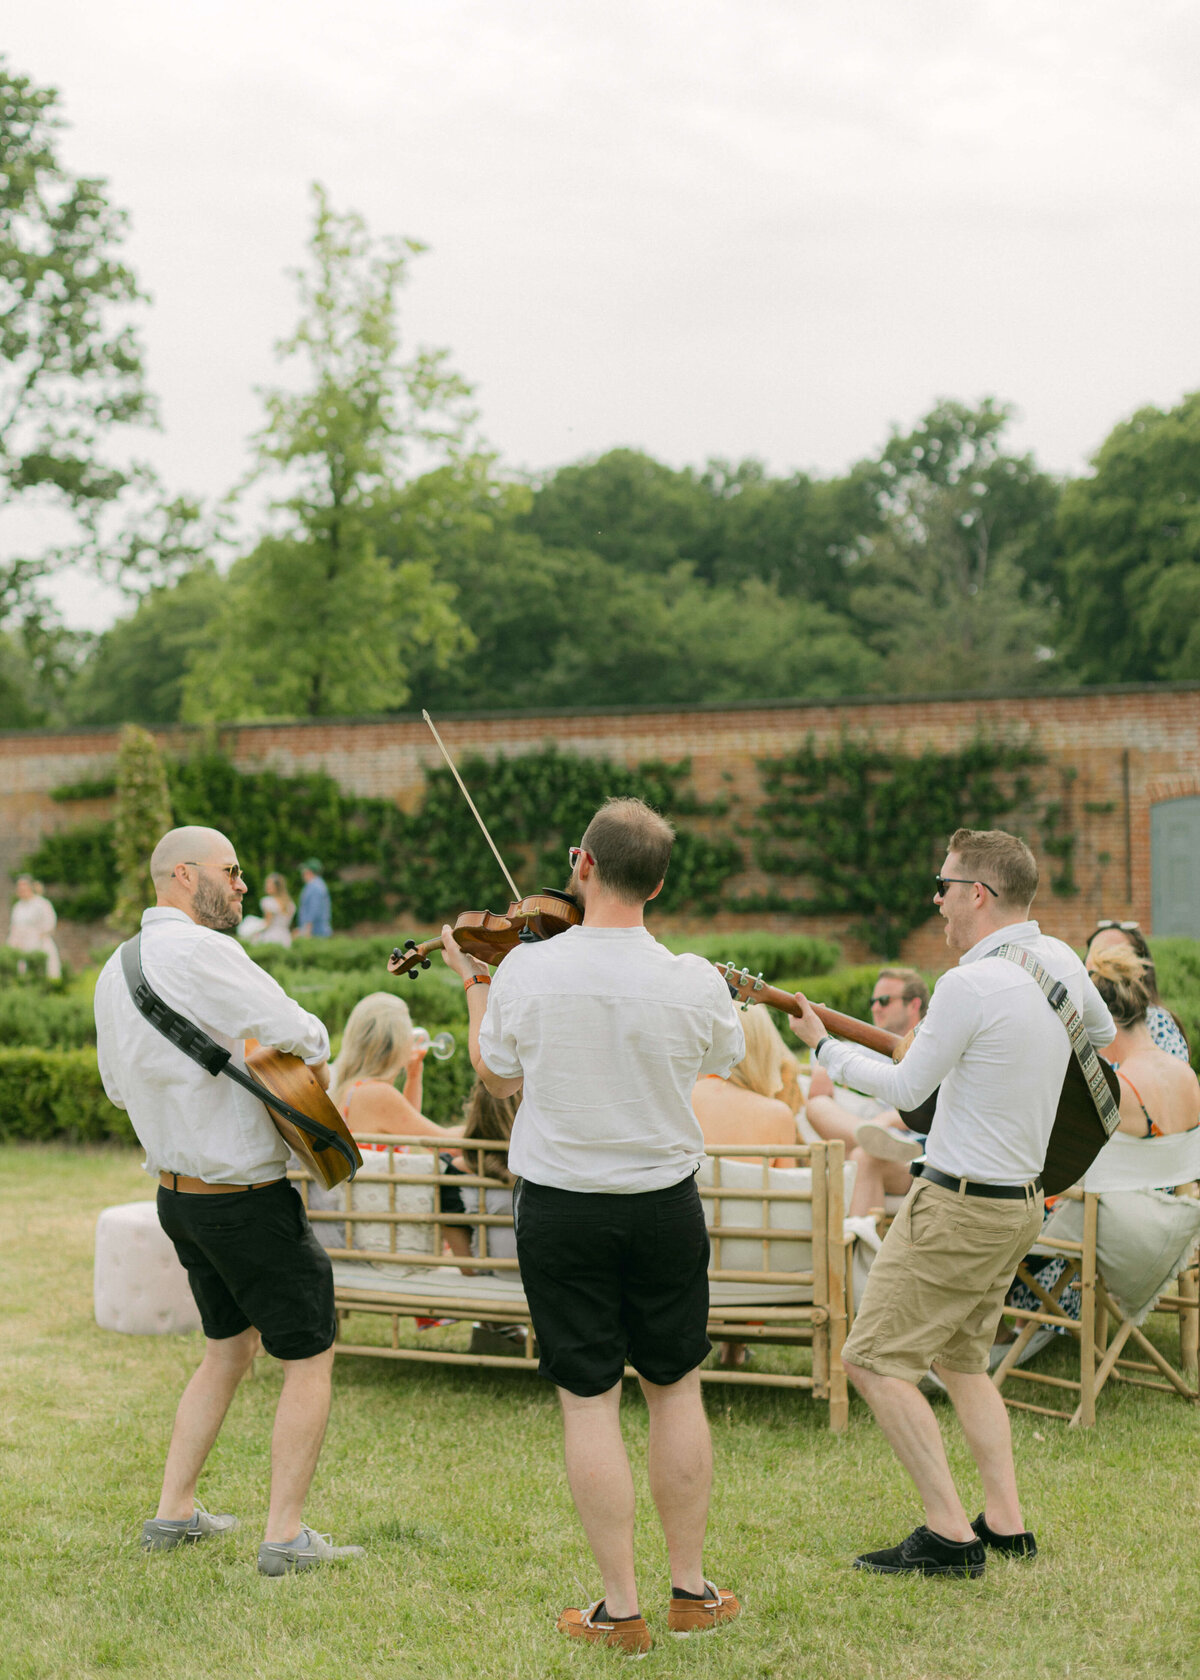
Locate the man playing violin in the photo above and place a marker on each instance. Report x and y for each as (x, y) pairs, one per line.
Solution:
(996, 1052)
(608, 1032)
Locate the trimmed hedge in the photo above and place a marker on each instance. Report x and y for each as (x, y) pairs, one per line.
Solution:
(38, 1021)
(48, 1094)
(1177, 964)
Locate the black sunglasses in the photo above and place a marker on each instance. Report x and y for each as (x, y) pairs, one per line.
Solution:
(941, 882)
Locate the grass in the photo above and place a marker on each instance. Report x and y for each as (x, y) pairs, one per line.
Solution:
(453, 1481)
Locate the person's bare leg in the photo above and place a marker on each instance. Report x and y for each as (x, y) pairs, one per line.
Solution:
(907, 1419)
(680, 1464)
(198, 1419)
(601, 1485)
(300, 1419)
(984, 1419)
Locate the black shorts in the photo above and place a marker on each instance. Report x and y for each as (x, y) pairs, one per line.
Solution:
(610, 1278)
(252, 1259)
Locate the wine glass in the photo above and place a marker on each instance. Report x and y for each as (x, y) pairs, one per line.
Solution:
(441, 1047)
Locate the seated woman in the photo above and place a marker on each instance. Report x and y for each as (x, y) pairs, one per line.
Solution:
(749, 1106)
(377, 1047)
(1164, 1029)
(1159, 1092)
(1160, 1095)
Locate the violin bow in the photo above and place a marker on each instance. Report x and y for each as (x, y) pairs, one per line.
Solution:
(463, 789)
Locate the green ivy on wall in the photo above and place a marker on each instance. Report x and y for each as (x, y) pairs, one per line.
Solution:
(380, 862)
(861, 831)
(536, 806)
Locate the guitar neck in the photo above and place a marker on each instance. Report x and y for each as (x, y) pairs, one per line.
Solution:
(841, 1026)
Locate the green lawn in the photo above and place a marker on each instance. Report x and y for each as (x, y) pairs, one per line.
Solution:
(452, 1479)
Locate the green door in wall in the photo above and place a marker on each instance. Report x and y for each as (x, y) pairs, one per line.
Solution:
(1175, 868)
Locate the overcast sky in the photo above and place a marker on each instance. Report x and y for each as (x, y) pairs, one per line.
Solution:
(735, 227)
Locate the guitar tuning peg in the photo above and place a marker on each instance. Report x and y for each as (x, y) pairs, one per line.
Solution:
(759, 982)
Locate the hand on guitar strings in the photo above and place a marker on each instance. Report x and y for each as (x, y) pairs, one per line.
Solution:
(805, 1023)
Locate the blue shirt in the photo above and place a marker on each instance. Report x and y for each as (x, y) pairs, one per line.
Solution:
(314, 908)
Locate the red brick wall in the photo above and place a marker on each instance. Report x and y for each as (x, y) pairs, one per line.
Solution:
(1127, 748)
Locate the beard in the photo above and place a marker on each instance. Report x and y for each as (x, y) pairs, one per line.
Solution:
(212, 907)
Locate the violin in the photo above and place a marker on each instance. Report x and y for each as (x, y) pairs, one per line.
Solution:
(489, 938)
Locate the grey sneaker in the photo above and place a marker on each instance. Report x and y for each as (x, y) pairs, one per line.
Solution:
(281, 1557)
(161, 1534)
(888, 1143)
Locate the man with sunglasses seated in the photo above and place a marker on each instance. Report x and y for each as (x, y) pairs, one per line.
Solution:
(996, 1052)
(239, 1228)
(880, 1145)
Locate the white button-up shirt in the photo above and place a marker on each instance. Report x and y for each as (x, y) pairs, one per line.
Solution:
(187, 1120)
(993, 1048)
(610, 1033)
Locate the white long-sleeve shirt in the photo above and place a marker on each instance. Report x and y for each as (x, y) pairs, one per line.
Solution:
(186, 1120)
(993, 1048)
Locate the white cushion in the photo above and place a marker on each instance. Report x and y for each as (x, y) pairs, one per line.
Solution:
(1143, 1238)
(140, 1288)
(363, 1196)
(745, 1254)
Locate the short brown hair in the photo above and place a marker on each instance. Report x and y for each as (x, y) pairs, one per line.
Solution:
(631, 847)
(999, 860)
(912, 984)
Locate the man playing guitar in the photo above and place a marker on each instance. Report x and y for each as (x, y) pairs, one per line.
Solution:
(238, 1226)
(998, 1052)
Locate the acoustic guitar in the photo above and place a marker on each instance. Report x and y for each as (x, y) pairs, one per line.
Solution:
(1076, 1138)
(294, 1082)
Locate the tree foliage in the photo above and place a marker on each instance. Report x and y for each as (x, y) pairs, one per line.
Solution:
(1131, 532)
(143, 817)
(70, 361)
(318, 620)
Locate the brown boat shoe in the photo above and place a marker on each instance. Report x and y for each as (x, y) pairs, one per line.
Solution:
(632, 1637)
(693, 1615)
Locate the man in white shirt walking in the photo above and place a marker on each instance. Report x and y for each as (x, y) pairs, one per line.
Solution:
(253, 1263)
(608, 1032)
(996, 1052)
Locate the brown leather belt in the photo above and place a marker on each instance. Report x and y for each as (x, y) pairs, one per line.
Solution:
(198, 1187)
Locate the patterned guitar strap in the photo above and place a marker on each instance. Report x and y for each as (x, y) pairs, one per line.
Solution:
(1081, 1044)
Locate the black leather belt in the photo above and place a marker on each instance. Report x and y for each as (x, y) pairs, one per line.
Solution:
(1005, 1192)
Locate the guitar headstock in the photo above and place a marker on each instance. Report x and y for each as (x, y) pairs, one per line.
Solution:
(742, 984)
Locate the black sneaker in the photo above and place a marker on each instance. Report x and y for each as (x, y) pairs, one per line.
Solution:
(927, 1553)
(1021, 1545)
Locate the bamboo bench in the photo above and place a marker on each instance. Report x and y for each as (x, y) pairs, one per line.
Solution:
(778, 1272)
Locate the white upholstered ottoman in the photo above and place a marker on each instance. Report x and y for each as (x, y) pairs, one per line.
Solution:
(140, 1287)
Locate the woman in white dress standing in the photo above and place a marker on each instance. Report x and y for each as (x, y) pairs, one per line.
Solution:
(32, 925)
(278, 913)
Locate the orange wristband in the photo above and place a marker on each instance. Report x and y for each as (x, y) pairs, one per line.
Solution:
(477, 980)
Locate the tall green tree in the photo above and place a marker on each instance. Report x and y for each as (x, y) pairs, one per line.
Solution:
(316, 619)
(1131, 533)
(143, 816)
(136, 670)
(70, 362)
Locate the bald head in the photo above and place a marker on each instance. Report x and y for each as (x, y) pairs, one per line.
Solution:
(187, 845)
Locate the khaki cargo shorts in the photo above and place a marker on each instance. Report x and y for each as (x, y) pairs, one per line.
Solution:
(937, 1287)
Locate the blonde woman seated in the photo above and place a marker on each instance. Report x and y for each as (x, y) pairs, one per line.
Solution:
(378, 1046)
(749, 1106)
(1159, 1092)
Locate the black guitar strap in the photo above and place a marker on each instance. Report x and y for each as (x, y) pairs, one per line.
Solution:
(196, 1044)
(1081, 1044)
